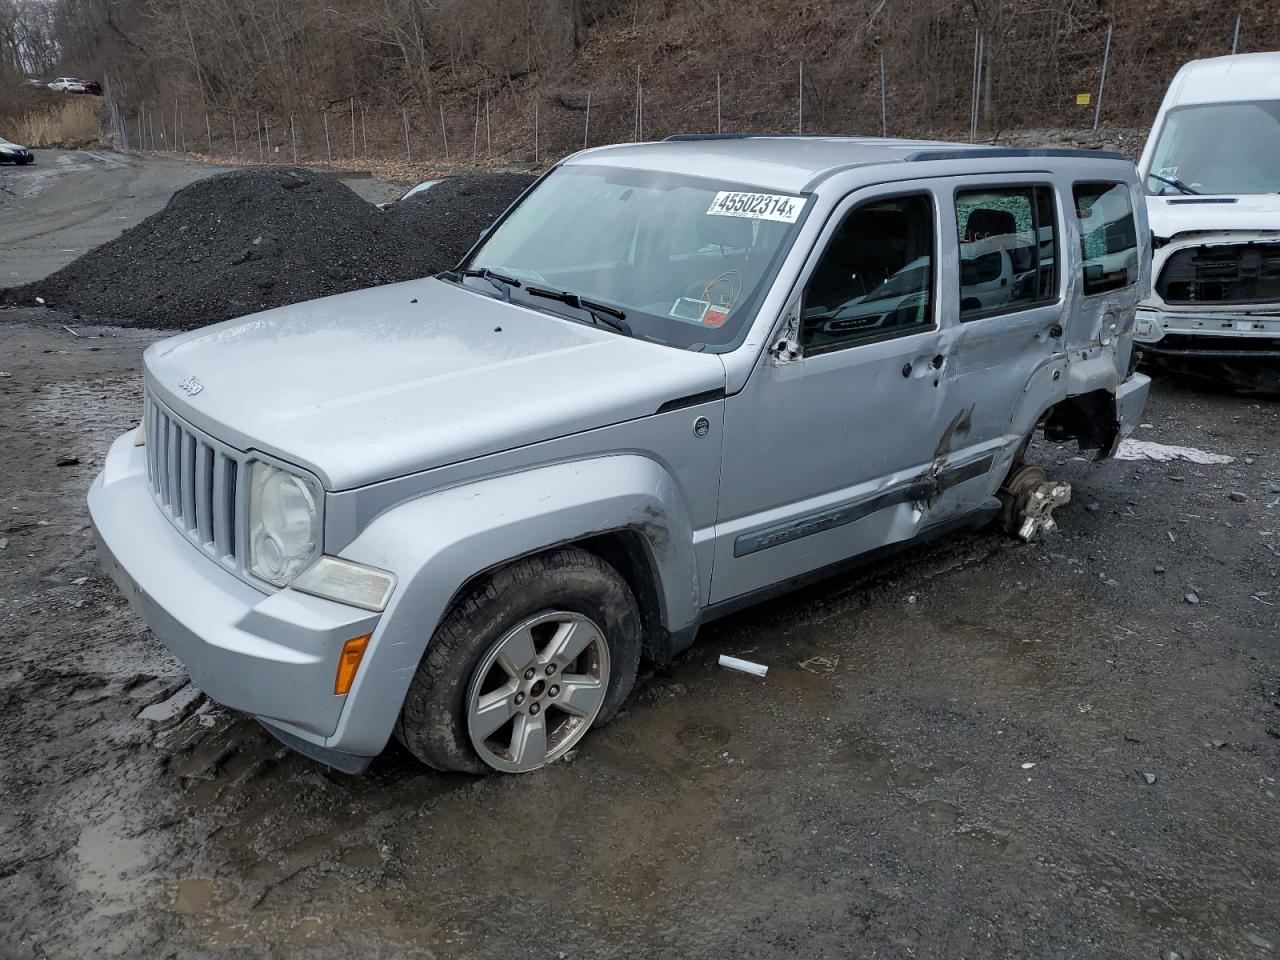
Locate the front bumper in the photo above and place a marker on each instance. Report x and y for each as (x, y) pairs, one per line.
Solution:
(1225, 333)
(271, 655)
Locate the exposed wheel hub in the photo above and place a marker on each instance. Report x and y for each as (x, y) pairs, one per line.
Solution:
(1028, 500)
(517, 718)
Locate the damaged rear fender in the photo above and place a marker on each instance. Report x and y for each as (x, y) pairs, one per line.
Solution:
(1100, 419)
(439, 543)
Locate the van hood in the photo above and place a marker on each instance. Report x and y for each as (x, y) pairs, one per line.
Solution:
(380, 383)
(1170, 216)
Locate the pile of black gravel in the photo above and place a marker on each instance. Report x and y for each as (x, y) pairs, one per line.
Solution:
(249, 240)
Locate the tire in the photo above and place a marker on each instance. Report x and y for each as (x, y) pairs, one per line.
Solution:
(567, 593)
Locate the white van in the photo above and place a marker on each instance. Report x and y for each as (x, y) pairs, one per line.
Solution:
(1213, 182)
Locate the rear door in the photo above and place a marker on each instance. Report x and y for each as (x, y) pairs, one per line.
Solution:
(1008, 355)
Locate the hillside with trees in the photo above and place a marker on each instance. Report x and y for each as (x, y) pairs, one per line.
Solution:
(483, 74)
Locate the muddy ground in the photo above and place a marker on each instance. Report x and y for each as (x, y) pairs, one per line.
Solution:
(950, 756)
(871, 798)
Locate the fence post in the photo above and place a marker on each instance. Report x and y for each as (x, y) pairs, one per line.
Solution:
(586, 126)
(353, 128)
(1106, 57)
(718, 124)
(800, 112)
(535, 129)
(444, 134)
(257, 128)
(266, 126)
(328, 150)
(884, 110)
(235, 138)
(293, 137)
(977, 82)
(635, 127)
(209, 131)
(1235, 36)
(408, 151)
(364, 128)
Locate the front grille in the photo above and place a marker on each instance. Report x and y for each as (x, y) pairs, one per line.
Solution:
(1222, 273)
(197, 483)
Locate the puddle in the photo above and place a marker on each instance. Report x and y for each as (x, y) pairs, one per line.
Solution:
(197, 895)
(366, 855)
(110, 869)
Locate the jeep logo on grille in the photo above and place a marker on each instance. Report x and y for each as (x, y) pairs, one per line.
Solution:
(191, 385)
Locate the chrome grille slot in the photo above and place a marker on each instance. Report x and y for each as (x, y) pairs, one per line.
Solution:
(195, 482)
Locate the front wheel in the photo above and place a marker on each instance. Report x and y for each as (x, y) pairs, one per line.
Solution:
(523, 665)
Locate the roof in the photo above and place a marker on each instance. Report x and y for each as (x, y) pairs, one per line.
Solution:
(791, 162)
(1245, 76)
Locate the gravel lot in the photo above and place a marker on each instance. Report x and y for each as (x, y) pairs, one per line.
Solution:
(985, 749)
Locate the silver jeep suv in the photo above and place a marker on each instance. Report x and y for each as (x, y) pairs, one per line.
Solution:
(672, 379)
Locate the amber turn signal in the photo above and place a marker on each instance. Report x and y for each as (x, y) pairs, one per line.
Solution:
(349, 663)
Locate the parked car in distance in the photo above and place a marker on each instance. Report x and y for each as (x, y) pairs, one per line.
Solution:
(33, 82)
(1213, 201)
(67, 85)
(460, 509)
(14, 153)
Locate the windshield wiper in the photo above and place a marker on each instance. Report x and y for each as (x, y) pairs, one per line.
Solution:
(502, 284)
(601, 313)
(1174, 182)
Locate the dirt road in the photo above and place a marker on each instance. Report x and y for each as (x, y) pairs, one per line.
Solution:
(70, 201)
(988, 750)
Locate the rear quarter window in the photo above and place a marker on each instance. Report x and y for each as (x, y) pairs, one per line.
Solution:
(1108, 236)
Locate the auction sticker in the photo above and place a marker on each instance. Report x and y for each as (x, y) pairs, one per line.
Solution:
(757, 206)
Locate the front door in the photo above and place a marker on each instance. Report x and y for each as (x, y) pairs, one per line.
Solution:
(830, 455)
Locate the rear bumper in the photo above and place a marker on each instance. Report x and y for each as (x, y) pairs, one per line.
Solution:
(271, 655)
(1131, 398)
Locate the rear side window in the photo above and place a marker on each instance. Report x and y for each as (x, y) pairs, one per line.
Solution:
(875, 279)
(1108, 236)
(1008, 249)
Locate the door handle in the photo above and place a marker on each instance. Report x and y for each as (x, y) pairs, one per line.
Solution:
(1056, 331)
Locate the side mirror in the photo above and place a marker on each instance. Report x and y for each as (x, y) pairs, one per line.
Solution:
(787, 349)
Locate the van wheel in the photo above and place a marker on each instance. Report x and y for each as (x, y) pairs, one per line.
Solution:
(523, 665)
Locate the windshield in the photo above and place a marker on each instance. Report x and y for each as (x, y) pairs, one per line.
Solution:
(683, 259)
(1218, 148)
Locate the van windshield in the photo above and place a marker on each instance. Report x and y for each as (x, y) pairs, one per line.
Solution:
(683, 260)
(1218, 148)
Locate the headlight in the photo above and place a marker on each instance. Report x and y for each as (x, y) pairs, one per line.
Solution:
(284, 524)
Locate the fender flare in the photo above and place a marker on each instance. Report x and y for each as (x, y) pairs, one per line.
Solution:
(439, 542)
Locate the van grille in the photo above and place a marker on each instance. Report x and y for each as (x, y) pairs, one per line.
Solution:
(1222, 273)
(196, 482)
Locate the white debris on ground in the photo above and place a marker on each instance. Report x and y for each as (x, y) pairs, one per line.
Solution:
(745, 666)
(1162, 453)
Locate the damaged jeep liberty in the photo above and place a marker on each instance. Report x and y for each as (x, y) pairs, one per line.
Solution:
(672, 379)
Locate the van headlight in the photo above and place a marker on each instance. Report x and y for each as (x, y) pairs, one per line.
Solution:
(284, 523)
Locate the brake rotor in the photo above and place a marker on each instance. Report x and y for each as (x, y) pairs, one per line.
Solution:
(1027, 502)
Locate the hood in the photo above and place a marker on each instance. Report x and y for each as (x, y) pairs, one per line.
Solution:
(1170, 216)
(376, 384)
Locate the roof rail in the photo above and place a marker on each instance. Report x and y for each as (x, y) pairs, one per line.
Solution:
(969, 153)
(682, 137)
